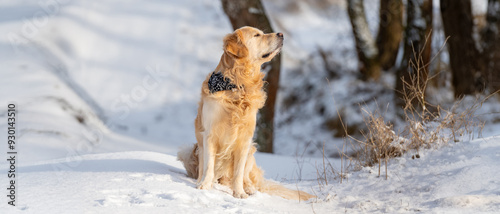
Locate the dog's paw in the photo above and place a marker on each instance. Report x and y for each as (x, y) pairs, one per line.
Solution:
(204, 185)
(250, 190)
(240, 194)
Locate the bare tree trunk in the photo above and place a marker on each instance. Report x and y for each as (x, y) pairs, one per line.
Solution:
(417, 52)
(491, 46)
(365, 44)
(464, 56)
(252, 13)
(390, 31)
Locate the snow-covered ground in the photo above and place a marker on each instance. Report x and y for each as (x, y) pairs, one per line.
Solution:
(460, 178)
(106, 93)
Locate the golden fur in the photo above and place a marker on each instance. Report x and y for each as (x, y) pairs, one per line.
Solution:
(226, 120)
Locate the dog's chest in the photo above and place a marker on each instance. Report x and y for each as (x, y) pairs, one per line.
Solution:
(211, 112)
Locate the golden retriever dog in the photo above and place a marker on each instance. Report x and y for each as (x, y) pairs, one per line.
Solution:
(230, 98)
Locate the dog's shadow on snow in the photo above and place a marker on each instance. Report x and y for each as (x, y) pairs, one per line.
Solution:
(125, 165)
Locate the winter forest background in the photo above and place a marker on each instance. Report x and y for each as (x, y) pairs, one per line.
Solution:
(106, 93)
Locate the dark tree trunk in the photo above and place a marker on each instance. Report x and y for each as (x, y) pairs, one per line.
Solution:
(252, 13)
(366, 48)
(491, 46)
(464, 56)
(417, 53)
(390, 31)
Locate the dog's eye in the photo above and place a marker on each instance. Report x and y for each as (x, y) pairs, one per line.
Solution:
(257, 35)
(266, 55)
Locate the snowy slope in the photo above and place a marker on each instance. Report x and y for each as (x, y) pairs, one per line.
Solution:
(128, 182)
(135, 69)
(460, 178)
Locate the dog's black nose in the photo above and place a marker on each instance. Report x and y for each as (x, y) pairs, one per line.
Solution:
(280, 35)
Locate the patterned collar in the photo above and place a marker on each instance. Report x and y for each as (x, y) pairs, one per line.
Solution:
(218, 82)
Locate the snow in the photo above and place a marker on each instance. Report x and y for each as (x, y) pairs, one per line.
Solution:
(107, 94)
(458, 178)
(127, 182)
(450, 180)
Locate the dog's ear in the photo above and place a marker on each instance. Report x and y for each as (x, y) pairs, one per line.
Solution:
(234, 46)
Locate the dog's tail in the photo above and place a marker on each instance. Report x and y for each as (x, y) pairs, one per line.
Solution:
(189, 157)
(276, 189)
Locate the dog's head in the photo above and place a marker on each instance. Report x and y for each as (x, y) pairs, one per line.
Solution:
(248, 43)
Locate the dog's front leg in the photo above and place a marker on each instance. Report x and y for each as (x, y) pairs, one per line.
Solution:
(248, 184)
(240, 158)
(208, 162)
(201, 161)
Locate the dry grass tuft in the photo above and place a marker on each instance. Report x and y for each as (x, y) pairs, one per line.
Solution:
(426, 126)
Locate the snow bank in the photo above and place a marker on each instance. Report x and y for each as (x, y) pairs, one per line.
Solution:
(459, 178)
